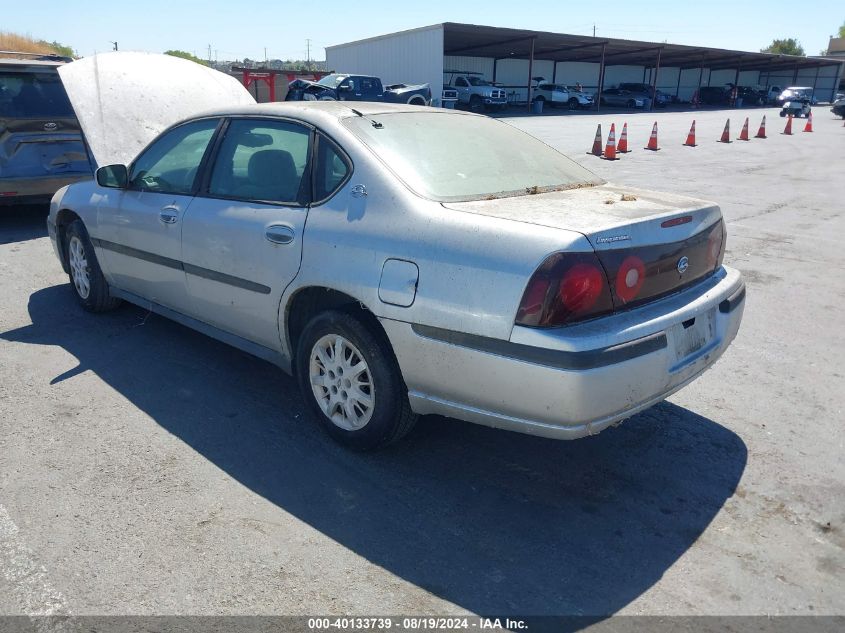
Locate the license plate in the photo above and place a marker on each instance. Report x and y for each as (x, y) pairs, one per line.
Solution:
(693, 335)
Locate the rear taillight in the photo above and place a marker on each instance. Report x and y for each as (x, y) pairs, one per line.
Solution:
(716, 245)
(630, 278)
(567, 287)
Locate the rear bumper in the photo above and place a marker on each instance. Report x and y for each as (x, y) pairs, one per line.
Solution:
(36, 190)
(569, 382)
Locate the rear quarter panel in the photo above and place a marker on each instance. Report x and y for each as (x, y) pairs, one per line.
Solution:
(472, 269)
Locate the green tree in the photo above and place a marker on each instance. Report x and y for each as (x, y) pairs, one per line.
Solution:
(186, 55)
(60, 49)
(842, 30)
(788, 46)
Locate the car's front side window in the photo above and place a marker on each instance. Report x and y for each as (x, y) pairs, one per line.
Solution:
(261, 160)
(170, 164)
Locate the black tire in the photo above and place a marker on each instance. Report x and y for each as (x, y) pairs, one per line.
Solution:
(573, 103)
(391, 417)
(475, 103)
(632, 103)
(98, 298)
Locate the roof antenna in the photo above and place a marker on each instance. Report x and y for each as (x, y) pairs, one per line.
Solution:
(376, 124)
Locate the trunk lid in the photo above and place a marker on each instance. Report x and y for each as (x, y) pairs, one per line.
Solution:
(123, 100)
(649, 243)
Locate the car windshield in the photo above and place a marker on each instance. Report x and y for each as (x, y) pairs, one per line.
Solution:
(33, 95)
(331, 81)
(454, 157)
(475, 81)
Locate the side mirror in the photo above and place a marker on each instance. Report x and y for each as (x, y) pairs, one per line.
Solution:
(114, 176)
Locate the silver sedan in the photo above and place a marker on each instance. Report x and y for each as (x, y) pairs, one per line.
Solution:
(398, 260)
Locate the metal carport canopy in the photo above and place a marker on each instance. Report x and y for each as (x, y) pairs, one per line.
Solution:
(505, 43)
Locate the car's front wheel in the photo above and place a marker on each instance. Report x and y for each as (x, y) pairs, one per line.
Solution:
(86, 278)
(351, 381)
(573, 103)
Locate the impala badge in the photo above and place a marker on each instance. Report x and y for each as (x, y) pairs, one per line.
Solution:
(50, 127)
(683, 264)
(359, 191)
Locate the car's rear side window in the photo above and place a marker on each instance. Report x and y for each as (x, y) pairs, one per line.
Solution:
(261, 160)
(33, 95)
(330, 170)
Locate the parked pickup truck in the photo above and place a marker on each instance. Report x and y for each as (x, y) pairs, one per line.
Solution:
(342, 87)
(474, 91)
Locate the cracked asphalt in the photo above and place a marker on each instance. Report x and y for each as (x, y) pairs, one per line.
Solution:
(147, 469)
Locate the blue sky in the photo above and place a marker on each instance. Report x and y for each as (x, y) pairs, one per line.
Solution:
(243, 29)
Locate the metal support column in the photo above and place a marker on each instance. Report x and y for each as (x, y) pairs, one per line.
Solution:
(530, 72)
(601, 79)
(816, 80)
(654, 81)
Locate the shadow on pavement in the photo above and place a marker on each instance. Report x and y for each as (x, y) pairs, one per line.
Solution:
(492, 521)
(22, 223)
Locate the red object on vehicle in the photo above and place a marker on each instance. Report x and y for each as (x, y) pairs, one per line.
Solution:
(630, 278)
(566, 288)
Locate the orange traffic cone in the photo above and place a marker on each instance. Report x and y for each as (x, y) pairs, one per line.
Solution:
(726, 133)
(743, 135)
(761, 133)
(610, 149)
(596, 151)
(691, 136)
(652, 140)
(788, 129)
(809, 126)
(622, 147)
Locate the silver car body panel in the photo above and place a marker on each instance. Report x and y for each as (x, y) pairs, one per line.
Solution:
(123, 100)
(445, 281)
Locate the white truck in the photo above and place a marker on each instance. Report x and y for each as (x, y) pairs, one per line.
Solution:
(474, 91)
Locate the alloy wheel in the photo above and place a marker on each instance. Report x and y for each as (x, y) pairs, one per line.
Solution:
(79, 267)
(341, 382)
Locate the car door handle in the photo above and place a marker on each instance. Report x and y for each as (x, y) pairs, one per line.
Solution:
(169, 215)
(279, 234)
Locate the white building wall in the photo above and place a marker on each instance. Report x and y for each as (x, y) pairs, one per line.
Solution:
(483, 65)
(571, 73)
(614, 75)
(412, 57)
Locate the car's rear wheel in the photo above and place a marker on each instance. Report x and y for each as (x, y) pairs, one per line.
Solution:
(351, 381)
(86, 278)
(573, 103)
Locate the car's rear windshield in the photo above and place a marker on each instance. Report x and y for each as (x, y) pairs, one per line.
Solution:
(450, 157)
(33, 95)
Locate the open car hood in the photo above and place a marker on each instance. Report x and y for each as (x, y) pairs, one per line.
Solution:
(123, 100)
